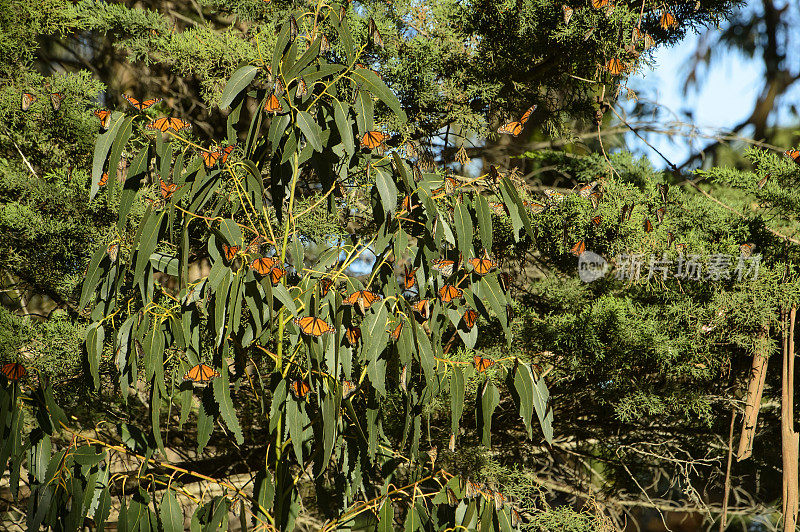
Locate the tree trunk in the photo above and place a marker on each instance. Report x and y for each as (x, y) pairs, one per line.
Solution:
(755, 387)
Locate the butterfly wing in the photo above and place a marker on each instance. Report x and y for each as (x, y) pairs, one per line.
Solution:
(511, 128)
(409, 278)
(448, 293)
(273, 104)
(276, 274)
(210, 158)
(104, 115)
(395, 334)
(226, 152)
(55, 100)
(103, 179)
(14, 371)
(470, 318)
(262, 265)
(793, 155)
(27, 100)
(373, 139)
(578, 249)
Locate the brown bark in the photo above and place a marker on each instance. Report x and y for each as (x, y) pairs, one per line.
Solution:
(723, 520)
(755, 387)
(790, 440)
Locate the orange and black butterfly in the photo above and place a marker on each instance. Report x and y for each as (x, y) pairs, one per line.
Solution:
(352, 335)
(597, 4)
(325, 286)
(595, 198)
(498, 208)
(663, 189)
(141, 106)
(362, 298)
(103, 180)
(210, 158)
(27, 100)
(395, 333)
(579, 248)
(481, 363)
(226, 151)
(348, 388)
(505, 281)
(515, 128)
(273, 104)
(449, 185)
(293, 29)
(373, 139)
(422, 307)
(374, 34)
(448, 293)
(746, 249)
(167, 189)
(14, 371)
(670, 238)
(554, 195)
(516, 518)
(409, 278)
(302, 88)
(470, 317)
(104, 115)
(166, 124)
(567, 13)
(763, 180)
(483, 266)
(262, 265)
(615, 66)
(113, 251)
(443, 266)
(299, 389)
(586, 190)
(276, 274)
(667, 20)
(55, 100)
(311, 326)
(230, 251)
(627, 210)
(324, 45)
(597, 220)
(793, 155)
(660, 213)
(534, 206)
(647, 225)
(201, 374)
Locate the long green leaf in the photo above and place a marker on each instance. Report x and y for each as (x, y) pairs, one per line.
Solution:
(310, 129)
(378, 88)
(222, 394)
(101, 149)
(171, 513)
(239, 80)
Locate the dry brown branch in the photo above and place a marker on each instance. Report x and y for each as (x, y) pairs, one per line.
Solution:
(789, 438)
(755, 387)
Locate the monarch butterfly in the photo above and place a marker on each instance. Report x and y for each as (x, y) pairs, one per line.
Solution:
(586, 190)
(554, 195)
(324, 44)
(273, 104)
(280, 88)
(201, 373)
(472, 490)
(411, 150)
(210, 158)
(325, 286)
(362, 298)
(670, 238)
(498, 208)
(469, 318)
(348, 388)
(449, 185)
(647, 225)
(373, 139)
(112, 251)
(395, 333)
(746, 249)
(667, 21)
(597, 220)
(534, 206)
(483, 266)
(165, 124)
(762, 182)
(103, 180)
(597, 4)
(27, 100)
(311, 326)
(374, 34)
(515, 128)
(167, 189)
(505, 280)
(104, 115)
(293, 29)
(614, 66)
(352, 335)
(660, 213)
(302, 88)
(595, 198)
(55, 100)
(499, 500)
(409, 278)
(141, 106)
(516, 518)
(443, 266)
(448, 292)
(422, 307)
(627, 209)
(482, 364)
(299, 389)
(579, 248)
(663, 189)
(14, 371)
(567, 11)
(680, 248)
(793, 155)
(262, 265)
(276, 274)
(230, 251)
